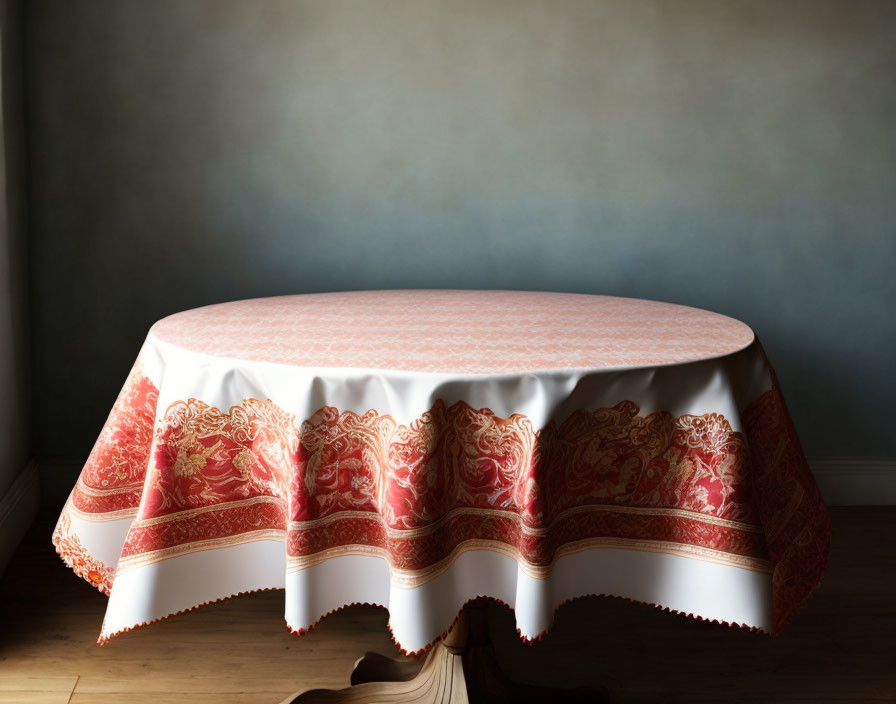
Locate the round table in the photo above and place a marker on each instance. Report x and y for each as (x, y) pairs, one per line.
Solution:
(422, 449)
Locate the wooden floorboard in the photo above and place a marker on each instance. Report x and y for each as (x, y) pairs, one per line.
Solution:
(842, 648)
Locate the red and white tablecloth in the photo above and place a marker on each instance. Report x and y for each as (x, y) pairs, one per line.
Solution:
(418, 449)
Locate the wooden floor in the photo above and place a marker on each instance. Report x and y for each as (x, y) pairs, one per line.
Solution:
(841, 649)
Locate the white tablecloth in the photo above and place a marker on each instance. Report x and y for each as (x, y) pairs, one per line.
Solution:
(418, 449)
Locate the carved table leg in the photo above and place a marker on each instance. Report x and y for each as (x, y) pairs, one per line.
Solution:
(460, 669)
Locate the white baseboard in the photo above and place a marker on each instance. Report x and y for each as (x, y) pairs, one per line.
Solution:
(17, 510)
(844, 481)
(856, 481)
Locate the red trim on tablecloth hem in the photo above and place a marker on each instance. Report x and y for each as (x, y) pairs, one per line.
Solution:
(102, 640)
(93, 571)
(795, 521)
(530, 641)
(657, 607)
(81, 572)
(84, 573)
(420, 652)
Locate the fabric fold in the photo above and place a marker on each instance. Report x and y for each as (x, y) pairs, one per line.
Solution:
(682, 486)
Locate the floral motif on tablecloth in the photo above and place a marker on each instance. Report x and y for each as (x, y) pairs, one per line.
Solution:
(203, 456)
(615, 456)
(460, 477)
(112, 478)
(796, 523)
(73, 553)
(347, 481)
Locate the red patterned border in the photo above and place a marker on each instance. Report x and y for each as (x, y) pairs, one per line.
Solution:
(795, 521)
(417, 493)
(73, 553)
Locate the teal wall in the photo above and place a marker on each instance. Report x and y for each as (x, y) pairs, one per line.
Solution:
(737, 156)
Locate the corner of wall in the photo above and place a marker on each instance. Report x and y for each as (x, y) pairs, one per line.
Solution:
(18, 507)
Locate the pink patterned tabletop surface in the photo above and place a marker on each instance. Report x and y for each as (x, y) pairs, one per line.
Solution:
(455, 332)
